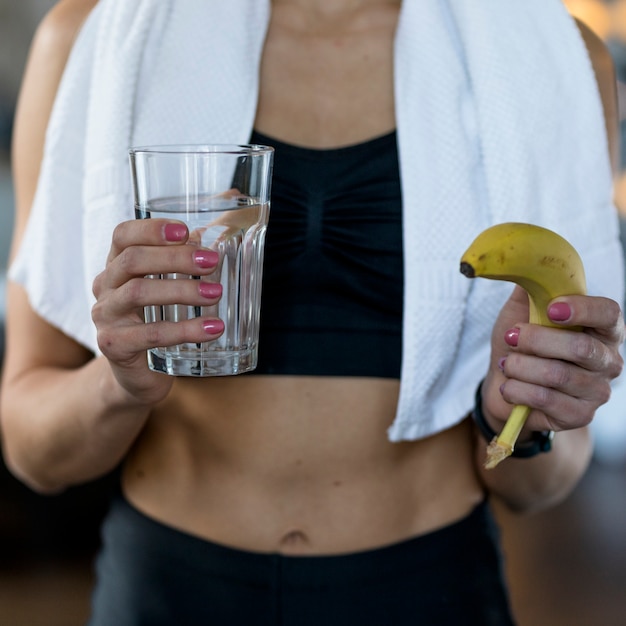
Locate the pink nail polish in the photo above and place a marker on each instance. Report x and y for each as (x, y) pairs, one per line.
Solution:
(512, 336)
(175, 232)
(206, 258)
(210, 290)
(213, 327)
(501, 362)
(559, 312)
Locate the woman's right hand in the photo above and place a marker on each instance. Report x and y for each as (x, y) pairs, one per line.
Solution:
(122, 290)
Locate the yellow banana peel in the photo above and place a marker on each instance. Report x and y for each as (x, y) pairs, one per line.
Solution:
(542, 262)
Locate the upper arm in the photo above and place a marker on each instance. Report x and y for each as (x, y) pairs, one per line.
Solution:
(49, 53)
(604, 69)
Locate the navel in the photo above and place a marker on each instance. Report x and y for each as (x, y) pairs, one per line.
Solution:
(294, 538)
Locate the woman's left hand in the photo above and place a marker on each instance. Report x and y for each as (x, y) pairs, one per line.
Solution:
(562, 373)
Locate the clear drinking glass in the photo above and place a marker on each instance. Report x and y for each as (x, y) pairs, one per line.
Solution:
(222, 193)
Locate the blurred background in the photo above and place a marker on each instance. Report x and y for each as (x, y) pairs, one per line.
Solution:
(566, 566)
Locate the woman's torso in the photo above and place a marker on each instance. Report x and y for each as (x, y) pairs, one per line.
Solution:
(302, 464)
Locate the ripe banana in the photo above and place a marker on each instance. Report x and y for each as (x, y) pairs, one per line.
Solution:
(546, 266)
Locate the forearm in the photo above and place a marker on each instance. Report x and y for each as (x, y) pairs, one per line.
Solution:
(67, 426)
(527, 485)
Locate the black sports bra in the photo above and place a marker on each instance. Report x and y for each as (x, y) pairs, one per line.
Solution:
(333, 275)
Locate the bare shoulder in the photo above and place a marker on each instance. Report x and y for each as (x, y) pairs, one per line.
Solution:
(58, 29)
(49, 51)
(604, 69)
(598, 52)
(53, 41)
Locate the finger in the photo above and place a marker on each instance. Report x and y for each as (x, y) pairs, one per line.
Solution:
(152, 232)
(161, 260)
(140, 261)
(559, 375)
(602, 315)
(552, 409)
(581, 348)
(137, 293)
(122, 344)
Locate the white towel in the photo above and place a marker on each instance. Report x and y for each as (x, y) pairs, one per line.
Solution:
(499, 119)
(500, 113)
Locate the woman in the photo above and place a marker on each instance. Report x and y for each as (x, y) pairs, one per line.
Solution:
(318, 490)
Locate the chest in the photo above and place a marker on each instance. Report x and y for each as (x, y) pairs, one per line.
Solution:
(326, 85)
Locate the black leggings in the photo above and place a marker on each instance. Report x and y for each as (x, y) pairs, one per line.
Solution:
(150, 574)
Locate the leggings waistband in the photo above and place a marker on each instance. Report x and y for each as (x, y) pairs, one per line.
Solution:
(150, 573)
(392, 561)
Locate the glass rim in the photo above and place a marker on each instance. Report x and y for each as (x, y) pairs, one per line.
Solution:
(202, 149)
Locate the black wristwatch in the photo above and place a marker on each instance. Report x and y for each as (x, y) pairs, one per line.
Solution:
(541, 440)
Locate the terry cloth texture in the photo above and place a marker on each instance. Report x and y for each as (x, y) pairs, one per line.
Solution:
(499, 119)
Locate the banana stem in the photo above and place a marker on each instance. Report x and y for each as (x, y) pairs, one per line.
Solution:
(502, 446)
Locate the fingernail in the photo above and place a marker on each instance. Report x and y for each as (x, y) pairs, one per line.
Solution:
(206, 258)
(210, 290)
(175, 232)
(501, 363)
(559, 312)
(213, 327)
(512, 336)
